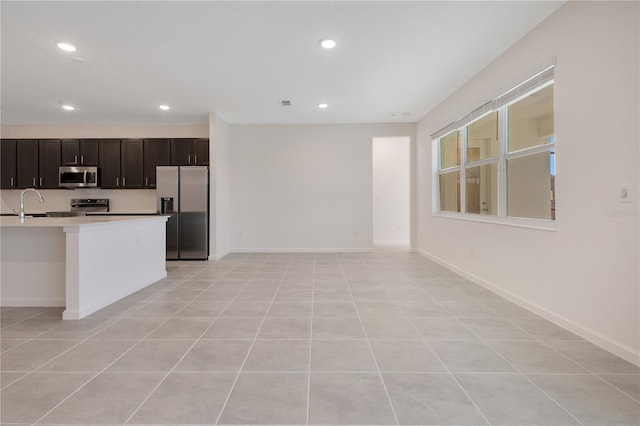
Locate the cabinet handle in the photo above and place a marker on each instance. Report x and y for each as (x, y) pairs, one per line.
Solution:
(189, 159)
(40, 181)
(11, 182)
(34, 182)
(124, 182)
(75, 159)
(146, 181)
(81, 158)
(195, 159)
(117, 181)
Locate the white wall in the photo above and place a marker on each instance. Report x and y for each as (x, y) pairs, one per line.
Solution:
(303, 187)
(391, 195)
(219, 188)
(584, 275)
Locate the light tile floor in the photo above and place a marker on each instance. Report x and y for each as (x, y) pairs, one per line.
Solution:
(379, 338)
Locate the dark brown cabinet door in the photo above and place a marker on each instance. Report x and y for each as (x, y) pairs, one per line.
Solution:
(181, 152)
(132, 164)
(70, 152)
(48, 163)
(79, 152)
(8, 178)
(89, 152)
(190, 152)
(157, 152)
(109, 163)
(200, 152)
(27, 163)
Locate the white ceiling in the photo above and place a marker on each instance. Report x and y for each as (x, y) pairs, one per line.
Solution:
(240, 59)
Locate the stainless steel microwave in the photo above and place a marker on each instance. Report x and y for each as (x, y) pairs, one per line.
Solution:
(78, 177)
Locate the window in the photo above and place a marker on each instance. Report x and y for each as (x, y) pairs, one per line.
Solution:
(498, 163)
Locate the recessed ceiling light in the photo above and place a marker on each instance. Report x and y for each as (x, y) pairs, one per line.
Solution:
(323, 106)
(68, 107)
(164, 107)
(66, 47)
(328, 44)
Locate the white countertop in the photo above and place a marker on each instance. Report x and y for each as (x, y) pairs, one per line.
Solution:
(80, 221)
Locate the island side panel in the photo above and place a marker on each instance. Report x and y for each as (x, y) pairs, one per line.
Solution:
(107, 262)
(33, 266)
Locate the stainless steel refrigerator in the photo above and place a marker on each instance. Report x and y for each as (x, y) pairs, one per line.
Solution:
(183, 193)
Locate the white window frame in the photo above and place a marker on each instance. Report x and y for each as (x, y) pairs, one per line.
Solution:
(501, 105)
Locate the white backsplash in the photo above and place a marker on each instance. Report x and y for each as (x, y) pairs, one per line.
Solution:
(120, 200)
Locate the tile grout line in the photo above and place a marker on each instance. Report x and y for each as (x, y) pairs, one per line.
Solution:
(544, 343)
(586, 369)
(80, 341)
(34, 316)
(188, 349)
(96, 374)
(106, 367)
(531, 381)
(375, 360)
(404, 267)
(513, 366)
(313, 290)
(478, 373)
(253, 341)
(424, 340)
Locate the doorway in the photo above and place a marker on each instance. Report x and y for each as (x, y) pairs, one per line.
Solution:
(391, 191)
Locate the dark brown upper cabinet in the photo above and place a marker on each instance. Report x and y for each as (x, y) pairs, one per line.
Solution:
(123, 163)
(132, 164)
(190, 152)
(201, 152)
(8, 171)
(157, 152)
(37, 163)
(48, 163)
(109, 163)
(27, 163)
(79, 152)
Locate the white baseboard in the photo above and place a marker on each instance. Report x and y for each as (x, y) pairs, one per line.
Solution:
(34, 301)
(303, 250)
(617, 348)
(219, 256)
(391, 243)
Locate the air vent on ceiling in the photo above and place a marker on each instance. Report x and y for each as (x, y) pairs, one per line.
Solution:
(285, 103)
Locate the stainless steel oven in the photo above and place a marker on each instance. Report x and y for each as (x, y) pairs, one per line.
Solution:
(91, 205)
(78, 177)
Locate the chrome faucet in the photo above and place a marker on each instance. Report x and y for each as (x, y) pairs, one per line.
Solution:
(40, 199)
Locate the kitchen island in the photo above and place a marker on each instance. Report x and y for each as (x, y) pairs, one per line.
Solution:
(83, 263)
